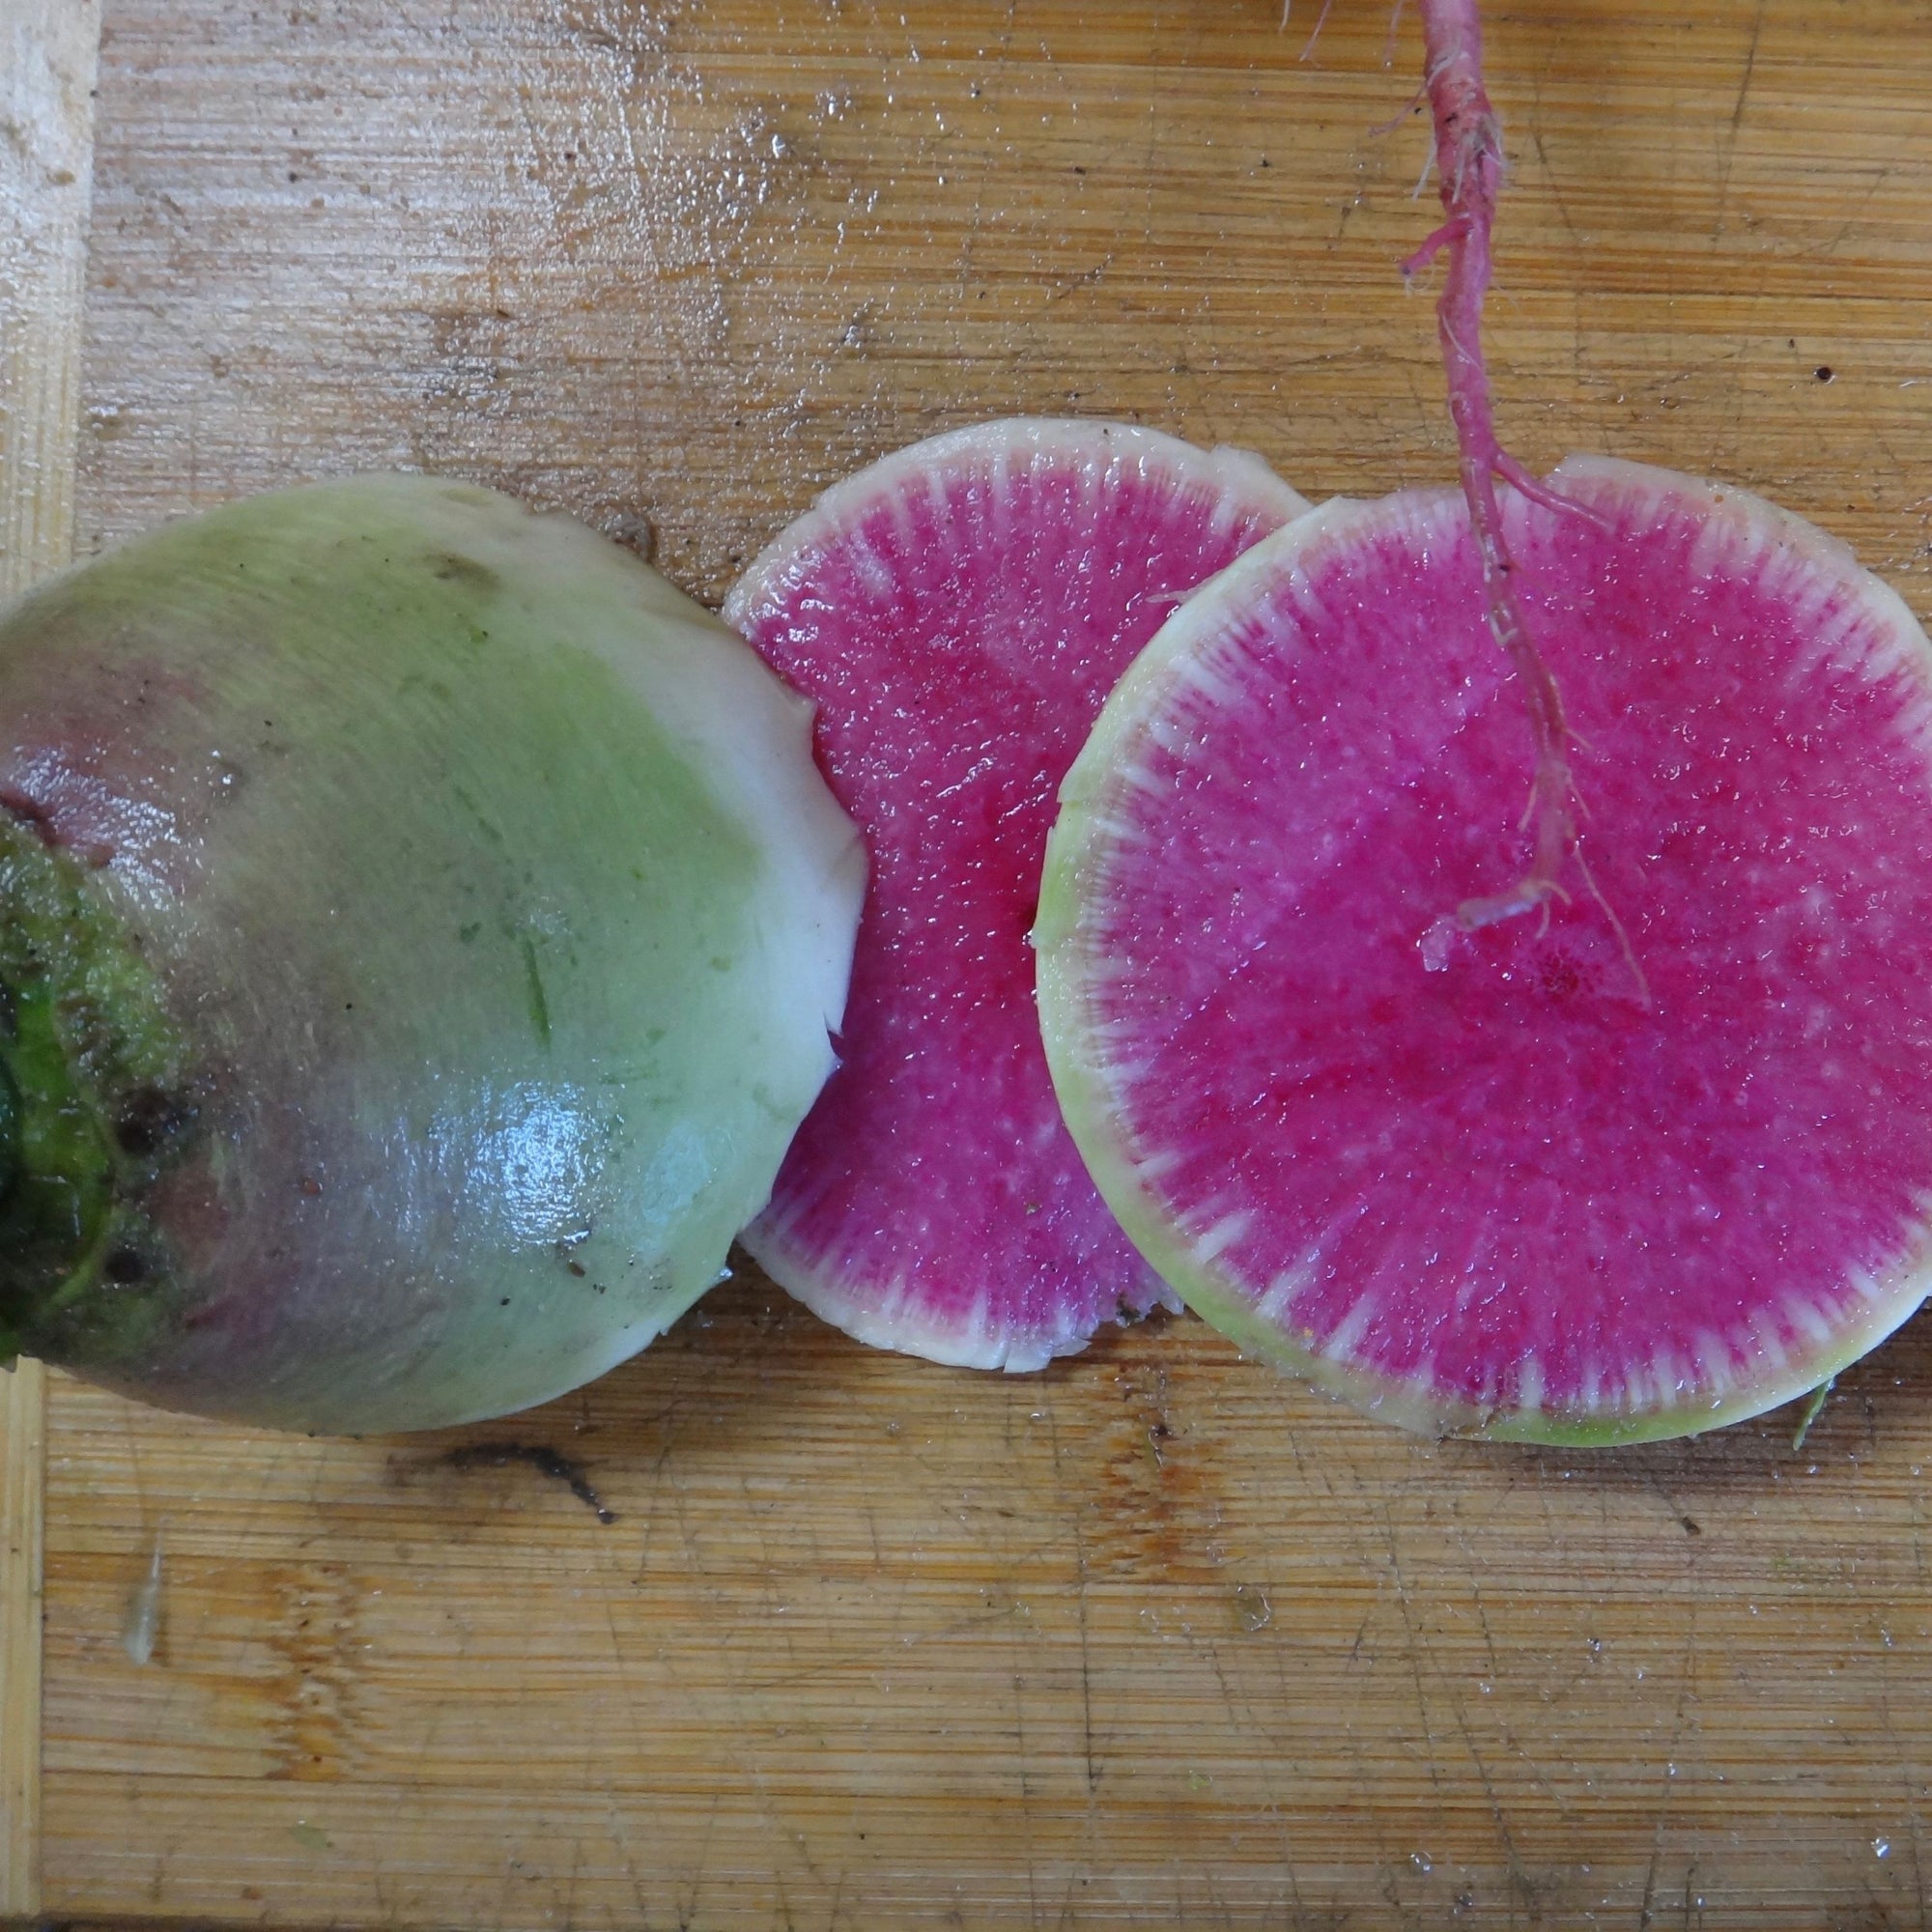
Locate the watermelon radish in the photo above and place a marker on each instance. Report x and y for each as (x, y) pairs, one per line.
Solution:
(1486, 1179)
(419, 930)
(958, 611)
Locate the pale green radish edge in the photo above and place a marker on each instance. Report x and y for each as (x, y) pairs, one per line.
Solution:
(995, 450)
(748, 735)
(748, 738)
(1078, 849)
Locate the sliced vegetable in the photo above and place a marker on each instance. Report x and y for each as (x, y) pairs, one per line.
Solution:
(1553, 1178)
(959, 612)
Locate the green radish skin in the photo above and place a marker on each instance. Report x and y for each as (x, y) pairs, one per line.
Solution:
(423, 927)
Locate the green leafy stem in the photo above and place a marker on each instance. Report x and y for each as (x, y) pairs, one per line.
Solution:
(91, 1072)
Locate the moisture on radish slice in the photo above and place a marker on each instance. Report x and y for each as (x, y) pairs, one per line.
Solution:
(958, 611)
(1547, 1178)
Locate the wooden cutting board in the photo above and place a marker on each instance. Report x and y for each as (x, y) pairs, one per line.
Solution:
(1154, 1637)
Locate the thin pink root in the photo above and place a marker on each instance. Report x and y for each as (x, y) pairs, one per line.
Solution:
(1383, 128)
(1445, 237)
(1525, 896)
(1321, 21)
(1469, 161)
(1388, 46)
(1538, 491)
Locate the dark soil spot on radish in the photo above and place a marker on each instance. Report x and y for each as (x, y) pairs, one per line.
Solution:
(635, 534)
(452, 567)
(150, 1119)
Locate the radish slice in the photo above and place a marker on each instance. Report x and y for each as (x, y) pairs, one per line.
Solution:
(1609, 1177)
(958, 611)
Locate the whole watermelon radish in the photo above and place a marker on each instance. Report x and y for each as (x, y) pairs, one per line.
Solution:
(419, 931)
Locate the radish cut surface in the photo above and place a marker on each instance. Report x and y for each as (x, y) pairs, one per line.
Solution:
(1522, 1181)
(959, 612)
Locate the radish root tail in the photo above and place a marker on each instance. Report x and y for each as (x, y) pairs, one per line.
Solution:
(1469, 167)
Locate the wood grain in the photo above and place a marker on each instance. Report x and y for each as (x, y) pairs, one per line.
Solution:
(1149, 1639)
(1154, 1638)
(46, 78)
(22, 1542)
(46, 113)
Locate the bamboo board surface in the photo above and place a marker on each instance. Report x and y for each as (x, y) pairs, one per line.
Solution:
(1154, 1637)
(46, 78)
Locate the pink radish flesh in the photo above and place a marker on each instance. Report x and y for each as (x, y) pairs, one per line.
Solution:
(959, 612)
(1474, 1177)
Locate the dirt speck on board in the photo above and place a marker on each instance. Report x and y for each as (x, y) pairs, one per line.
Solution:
(541, 1458)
